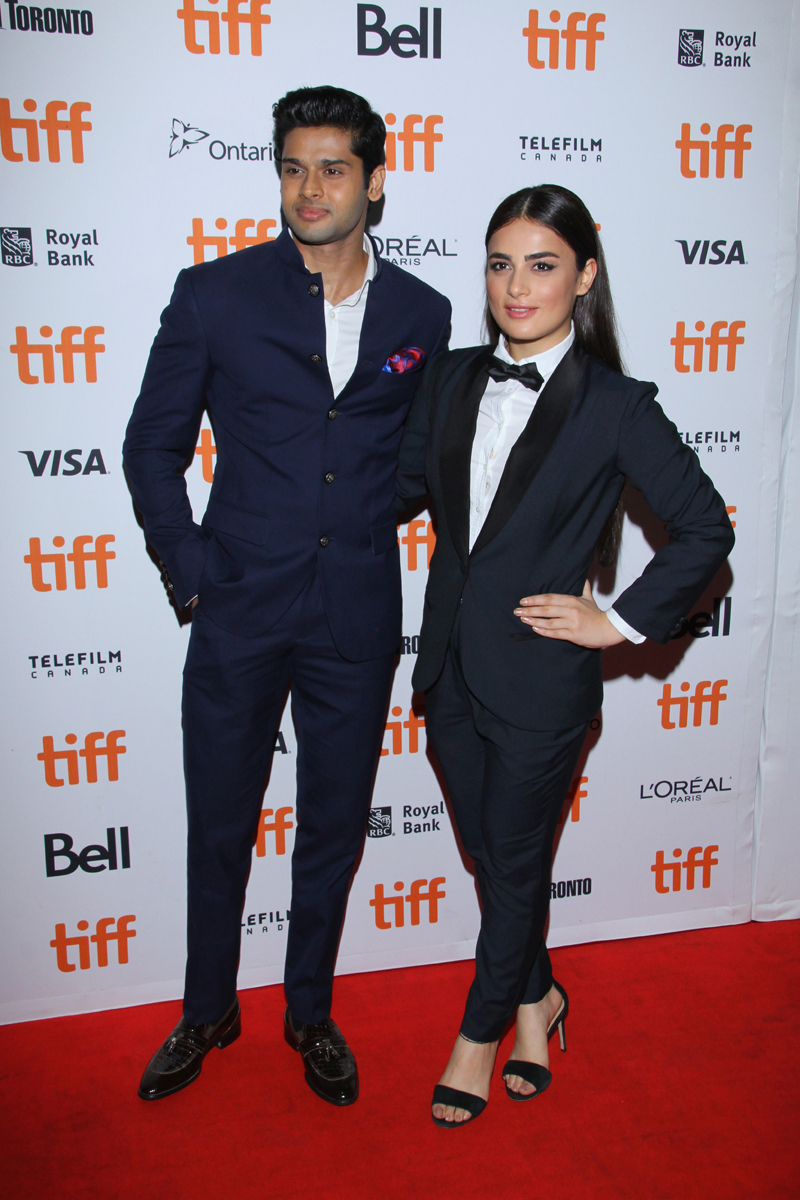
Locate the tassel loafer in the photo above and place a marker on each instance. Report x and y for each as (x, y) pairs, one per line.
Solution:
(180, 1060)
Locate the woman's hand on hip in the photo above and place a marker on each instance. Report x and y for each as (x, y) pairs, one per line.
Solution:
(570, 619)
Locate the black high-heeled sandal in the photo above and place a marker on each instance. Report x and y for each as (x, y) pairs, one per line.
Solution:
(442, 1094)
(533, 1073)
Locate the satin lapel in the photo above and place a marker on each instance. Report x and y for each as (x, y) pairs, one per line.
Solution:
(456, 449)
(534, 443)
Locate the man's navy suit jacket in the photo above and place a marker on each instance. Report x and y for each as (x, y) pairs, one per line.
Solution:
(244, 335)
(590, 429)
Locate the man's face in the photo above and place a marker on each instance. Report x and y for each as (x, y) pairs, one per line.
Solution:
(322, 185)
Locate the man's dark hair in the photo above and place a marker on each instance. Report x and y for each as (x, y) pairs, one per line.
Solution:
(310, 107)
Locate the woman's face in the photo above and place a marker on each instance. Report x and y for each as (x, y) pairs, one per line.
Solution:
(532, 282)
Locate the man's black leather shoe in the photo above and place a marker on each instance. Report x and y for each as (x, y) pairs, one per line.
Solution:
(180, 1059)
(331, 1069)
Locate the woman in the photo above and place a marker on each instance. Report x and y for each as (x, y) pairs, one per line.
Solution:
(524, 447)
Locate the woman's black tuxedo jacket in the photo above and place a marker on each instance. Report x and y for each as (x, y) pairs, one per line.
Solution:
(590, 428)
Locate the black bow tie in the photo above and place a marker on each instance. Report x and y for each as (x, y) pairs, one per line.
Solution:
(528, 375)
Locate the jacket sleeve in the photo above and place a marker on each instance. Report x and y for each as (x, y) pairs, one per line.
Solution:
(411, 482)
(161, 436)
(668, 473)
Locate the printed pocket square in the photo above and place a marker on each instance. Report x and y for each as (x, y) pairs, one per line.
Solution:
(410, 358)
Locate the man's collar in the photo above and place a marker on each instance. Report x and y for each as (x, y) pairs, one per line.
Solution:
(547, 361)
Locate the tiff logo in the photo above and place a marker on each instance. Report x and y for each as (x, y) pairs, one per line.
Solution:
(91, 751)
(90, 858)
(75, 126)
(278, 825)
(419, 533)
(700, 697)
(410, 137)
(198, 238)
(413, 725)
(576, 793)
(79, 557)
(721, 147)
(104, 933)
(233, 17)
(571, 36)
(67, 348)
(400, 40)
(698, 859)
(715, 342)
(415, 899)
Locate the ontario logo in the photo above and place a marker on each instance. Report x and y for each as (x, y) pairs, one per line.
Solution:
(184, 136)
(16, 246)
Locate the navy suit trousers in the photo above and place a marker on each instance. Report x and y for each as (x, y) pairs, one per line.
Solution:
(507, 787)
(234, 689)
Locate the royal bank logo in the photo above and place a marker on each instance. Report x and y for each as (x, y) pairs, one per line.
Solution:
(379, 824)
(690, 47)
(16, 246)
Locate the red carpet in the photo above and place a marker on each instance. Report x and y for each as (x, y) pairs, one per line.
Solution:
(680, 1081)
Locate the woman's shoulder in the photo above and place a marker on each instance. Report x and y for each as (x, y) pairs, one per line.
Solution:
(623, 388)
(447, 363)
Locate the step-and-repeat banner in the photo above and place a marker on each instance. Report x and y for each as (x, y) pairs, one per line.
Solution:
(136, 140)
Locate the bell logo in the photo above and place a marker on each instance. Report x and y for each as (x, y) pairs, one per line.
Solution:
(409, 137)
(419, 533)
(400, 40)
(233, 17)
(700, 698)
(104, 933)
(67, 348)
(413, 725)
(90, 753)
(278, 825)
(571, 35)
(698, 859)
(415, 899)
(79, 557)
(75, 126)
(198, 239)
(715, 341)
(721, 148)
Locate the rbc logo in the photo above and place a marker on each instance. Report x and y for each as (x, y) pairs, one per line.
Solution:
(690, 47)
(198, 239)
(571, 35)
(67, 348)
(400, 40)
(379, 824)
(715, 342)
(253, 17)
(698, 859)
(721, 148)
(415, 899)
(91, 752)
(103, 934)
(701, 697)
(79, 557)
(75, 126)
(16, 246)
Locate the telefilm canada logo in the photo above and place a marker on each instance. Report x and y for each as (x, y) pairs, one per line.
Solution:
(567, 148)
(16, 246)
(690, 47)
(184, 136)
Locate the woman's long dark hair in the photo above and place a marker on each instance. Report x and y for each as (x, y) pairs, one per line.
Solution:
(559, 209)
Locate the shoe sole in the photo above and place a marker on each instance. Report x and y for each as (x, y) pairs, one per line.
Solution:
(226, 1040)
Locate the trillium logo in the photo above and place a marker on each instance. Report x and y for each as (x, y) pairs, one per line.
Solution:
(184, 135)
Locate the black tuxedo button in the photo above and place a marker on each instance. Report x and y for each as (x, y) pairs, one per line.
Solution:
(323, 541)
(333, 413)
(329, 478)
(315, 358)
(313, 289)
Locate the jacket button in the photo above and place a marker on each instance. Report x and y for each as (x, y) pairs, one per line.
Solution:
(323, 541)
(313, 289)
(329, 478)
(333, 413)
(315, 358)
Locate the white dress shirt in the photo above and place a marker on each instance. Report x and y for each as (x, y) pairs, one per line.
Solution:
(343, 323)
(504, 412)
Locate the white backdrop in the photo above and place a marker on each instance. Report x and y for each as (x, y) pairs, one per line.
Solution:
(152, 150)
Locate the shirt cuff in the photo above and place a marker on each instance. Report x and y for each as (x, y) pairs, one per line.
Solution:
(624, 628)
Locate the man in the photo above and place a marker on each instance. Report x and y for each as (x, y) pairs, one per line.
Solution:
(306, 352)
